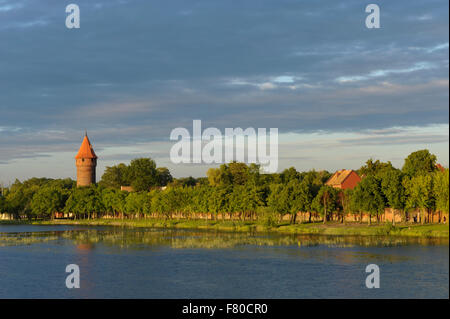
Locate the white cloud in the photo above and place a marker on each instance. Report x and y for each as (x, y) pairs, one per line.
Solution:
(284, 79)
(380, 73)
(8, 7)
(267, 86)
(438, 47)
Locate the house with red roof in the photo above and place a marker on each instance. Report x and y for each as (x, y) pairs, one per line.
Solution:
(344, 179)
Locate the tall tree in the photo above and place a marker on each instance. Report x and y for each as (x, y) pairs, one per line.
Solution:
(143, 174)
(47, 201)
(393, 190)
(83, 202)
(348, 203)
(300, 197)
(289, 174)
(20, 195)
(374, 168)
(419, 191)
(164, 176)
(369, 197)
(214, 175)
(278, 199)
(419, 163)
(137, 204)
(115, 176)
(2, 203)
(325, 201)
(239, 173)
(441, 190)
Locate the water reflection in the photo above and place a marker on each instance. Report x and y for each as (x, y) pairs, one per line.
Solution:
(172, 263)
(86, 239)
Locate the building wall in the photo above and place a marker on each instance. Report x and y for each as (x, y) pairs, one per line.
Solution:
(127, 188)
(6, 216)
(86, 171)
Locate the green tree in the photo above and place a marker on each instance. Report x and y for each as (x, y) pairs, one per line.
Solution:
(119, 202)
(325, 201)
(239, 173)
(184, 182)
(108, 200)
(289, 174)
(348, 203)
(218, 201)
(441, 190)
(419, 163)
(2, 203)
(84, 202)
(214, 175)
(368, 197)
(393, 190)
(164, 176)
(419, 191)
(137, 203)
(254, 174)
(234, 173)
(20, 195)
(277, 200)
(374, 168)
(47, 201)
(315, 180)
(300, 197)
(115, 176)
(143, 174)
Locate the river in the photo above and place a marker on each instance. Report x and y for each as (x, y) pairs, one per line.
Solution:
(118, 262)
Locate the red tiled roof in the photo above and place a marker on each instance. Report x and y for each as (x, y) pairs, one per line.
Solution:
(339, 177)
(86, 150)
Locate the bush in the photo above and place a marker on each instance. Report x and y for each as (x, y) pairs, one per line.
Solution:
(267, 217)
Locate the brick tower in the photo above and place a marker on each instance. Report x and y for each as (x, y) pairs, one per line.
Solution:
(86, 161)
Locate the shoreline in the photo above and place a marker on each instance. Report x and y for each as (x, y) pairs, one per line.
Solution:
(318, 228)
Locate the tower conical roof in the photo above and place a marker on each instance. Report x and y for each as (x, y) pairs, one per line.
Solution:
(86, 150)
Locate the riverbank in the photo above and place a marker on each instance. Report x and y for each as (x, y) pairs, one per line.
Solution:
(430, 230)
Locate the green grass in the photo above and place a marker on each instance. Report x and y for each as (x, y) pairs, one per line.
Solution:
(435, 230)
(432, 230)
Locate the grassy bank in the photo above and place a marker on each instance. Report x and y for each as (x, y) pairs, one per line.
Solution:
(434, 230)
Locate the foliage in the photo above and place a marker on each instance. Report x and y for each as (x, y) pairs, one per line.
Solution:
(441, 190)
(419, 163)
(392, 188)
(141, 174)
(374, 168)
(419, 190)
(232, 190)
(325, 201)
(115, 176)
(368, 196)
(47, 201)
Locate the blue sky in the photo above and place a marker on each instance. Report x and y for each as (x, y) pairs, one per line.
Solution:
(338, 92)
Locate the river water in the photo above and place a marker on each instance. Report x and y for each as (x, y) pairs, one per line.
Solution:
(118, 262)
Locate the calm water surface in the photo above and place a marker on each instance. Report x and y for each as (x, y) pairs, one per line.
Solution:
(154, 263)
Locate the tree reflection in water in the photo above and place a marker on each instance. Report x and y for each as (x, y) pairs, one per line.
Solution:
(130, 238)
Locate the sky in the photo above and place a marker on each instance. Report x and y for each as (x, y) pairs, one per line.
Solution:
(338, 92)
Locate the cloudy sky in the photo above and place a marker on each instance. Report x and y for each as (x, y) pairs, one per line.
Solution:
(338, 92)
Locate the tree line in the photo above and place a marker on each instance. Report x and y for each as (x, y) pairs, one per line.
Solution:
(237, 189)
